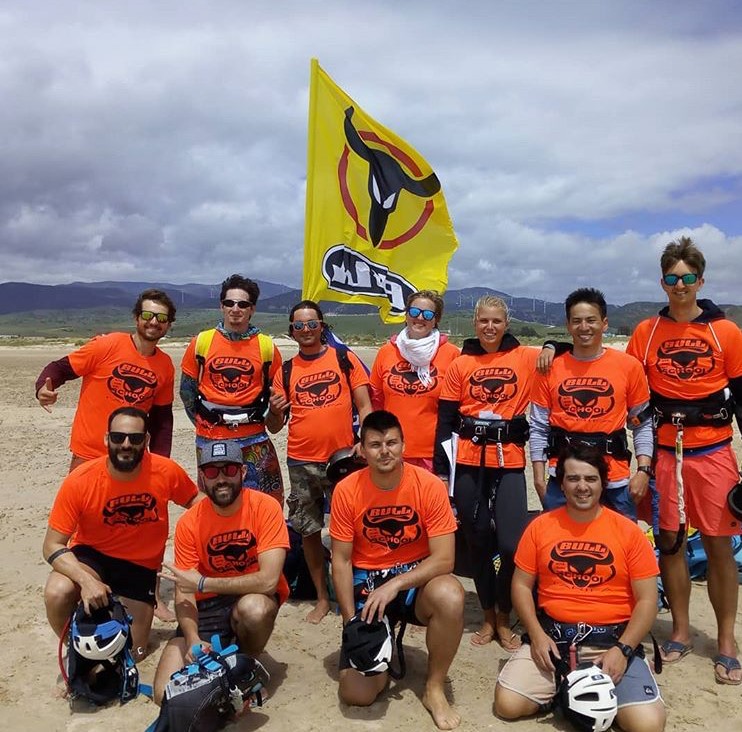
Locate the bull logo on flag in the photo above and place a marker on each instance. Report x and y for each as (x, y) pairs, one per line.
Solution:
(377, 227)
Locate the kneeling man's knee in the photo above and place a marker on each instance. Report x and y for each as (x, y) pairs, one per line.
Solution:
(511, 705)
(252, 609)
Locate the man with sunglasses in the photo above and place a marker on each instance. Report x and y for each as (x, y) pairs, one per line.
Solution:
(108, 527)
(320, 399)
(225, 384)
(229, 554)
(693, 359)
(117, 370)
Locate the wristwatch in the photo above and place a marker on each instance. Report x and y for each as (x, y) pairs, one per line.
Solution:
(644, 469)
(627, 650)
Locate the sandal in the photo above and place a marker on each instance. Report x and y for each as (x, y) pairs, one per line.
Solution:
(729, 664)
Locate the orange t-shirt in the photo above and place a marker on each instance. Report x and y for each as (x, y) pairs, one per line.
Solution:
(321, 420)
(398, 389)
(232, 377)
(229, 546)
(114, 374)
(592, 396)
(584, 571)
(688, 361)
(122, 519)
(390, 527)
(498, 382)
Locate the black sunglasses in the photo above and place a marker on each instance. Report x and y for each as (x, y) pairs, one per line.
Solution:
(212, 471)
(135, 438)
(147, 315)
(241, 304)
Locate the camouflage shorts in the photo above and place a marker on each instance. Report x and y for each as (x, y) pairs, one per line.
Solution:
(306, 501)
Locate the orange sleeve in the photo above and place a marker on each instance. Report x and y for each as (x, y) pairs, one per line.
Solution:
(439, 519)
(451, 390)
(85, 359)
(277, 383)
(358, 375)
(540, 393)
(183, 489)
(638, 388)
(187, 540)
(270, 527)
(376, 380)
(525, 554)
(276, 363)
(341, 516)
(165, 380)
(65, 514)
(189, 364)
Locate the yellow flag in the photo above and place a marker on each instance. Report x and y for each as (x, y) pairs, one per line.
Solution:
(377, 228)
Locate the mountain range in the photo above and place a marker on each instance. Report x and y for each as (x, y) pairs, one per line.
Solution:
(23, 297)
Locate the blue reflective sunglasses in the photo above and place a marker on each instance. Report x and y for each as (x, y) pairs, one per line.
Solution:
(311, 324)
(414, 312)
(690, 278)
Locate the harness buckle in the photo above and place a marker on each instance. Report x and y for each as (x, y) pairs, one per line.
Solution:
(677, 419)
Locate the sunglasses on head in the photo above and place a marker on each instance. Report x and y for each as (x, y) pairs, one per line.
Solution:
(414, 312)
(159, 317)
(118, 438)
(241, 304)
(311, 324)
(212, 471)
(690, 278)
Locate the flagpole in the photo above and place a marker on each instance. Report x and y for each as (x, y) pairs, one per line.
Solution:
(311, 155)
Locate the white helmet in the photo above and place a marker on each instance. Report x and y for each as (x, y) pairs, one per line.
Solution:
(588, 697)
(102, 635)
(369, 646)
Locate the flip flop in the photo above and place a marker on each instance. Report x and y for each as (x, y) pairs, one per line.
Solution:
(507, 643)
(729, 664)
(671, 646)
(481, 639)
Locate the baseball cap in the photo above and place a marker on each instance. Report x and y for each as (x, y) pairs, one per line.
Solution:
(220, 451)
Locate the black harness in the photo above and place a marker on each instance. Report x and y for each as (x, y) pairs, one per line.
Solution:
(716, 410)
(615, 444)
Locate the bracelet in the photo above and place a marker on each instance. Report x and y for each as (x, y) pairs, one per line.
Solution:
(55, 555)
(201, 583)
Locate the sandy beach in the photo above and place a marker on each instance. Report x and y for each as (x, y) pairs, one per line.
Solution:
(301, 658)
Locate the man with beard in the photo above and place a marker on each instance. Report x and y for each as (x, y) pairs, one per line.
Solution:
(108, 527)
(229, 553)
(118, 370)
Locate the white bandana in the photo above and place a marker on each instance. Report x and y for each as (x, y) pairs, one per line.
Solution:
(419, 352)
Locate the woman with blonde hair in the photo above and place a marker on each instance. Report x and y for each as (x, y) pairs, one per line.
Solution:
(484, 400)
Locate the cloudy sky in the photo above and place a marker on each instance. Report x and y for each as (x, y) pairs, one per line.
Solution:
(167, 141)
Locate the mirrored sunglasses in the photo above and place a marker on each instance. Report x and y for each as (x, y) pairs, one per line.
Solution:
(118, 438)
(417, 312)
(212, 471)
(241, 304)
(689, 278)
(159, 317)
(311, 324)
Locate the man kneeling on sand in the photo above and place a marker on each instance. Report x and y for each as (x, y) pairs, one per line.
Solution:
(392, 532)
(229, 553)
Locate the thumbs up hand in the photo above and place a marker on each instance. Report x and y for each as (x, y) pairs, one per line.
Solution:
(46, 395)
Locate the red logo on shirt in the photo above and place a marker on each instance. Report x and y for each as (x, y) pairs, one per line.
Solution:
(582, 563)
(131, 510)
(231, 375)
(232, 551)
(685, 358)
(391, 526)
(404, 379)
(493, 385)
(586, 397)
(132, 384)
(318, 390)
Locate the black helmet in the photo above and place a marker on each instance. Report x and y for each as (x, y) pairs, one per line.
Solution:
(343, 462)
(734, 500)
(369, 646)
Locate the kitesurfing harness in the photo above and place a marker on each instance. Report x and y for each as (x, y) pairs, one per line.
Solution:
(614, 443)
(219, 414)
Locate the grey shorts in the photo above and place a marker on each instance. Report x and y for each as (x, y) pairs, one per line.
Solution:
(521, 675)
(306, 501)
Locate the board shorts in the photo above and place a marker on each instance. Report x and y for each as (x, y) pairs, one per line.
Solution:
(125, 578)
(708, 476)
(521, 675)
(310, 489)
(400, 609)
